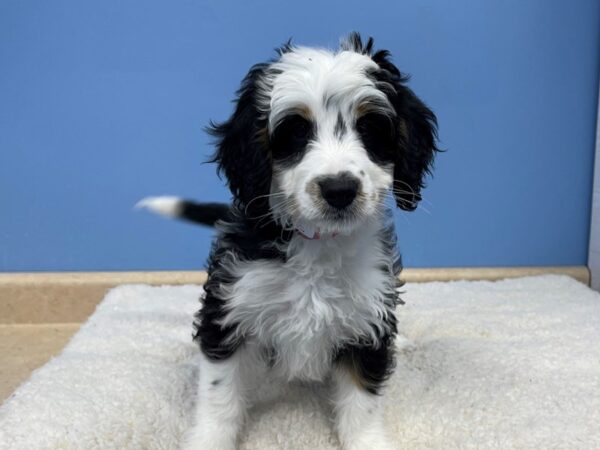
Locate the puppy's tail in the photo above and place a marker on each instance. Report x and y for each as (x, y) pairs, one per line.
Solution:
(175, 207)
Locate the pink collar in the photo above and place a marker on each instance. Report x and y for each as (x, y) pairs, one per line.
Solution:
(314, 237)
(312, 234)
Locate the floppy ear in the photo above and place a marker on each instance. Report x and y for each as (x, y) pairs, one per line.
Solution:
(417, 147)
(416, 136)
(242, 153)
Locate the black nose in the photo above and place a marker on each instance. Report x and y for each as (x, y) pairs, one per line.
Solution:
(340, 190)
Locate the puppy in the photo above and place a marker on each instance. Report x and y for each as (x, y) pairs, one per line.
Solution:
(302, 277)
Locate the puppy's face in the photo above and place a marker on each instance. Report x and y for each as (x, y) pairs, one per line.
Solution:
(319, 138)
(331, 137)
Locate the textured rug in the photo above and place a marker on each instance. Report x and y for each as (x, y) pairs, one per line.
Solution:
(509, 364)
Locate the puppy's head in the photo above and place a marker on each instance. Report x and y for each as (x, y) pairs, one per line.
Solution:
(320, 137)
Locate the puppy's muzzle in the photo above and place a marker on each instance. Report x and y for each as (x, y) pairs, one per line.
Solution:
(340, 190)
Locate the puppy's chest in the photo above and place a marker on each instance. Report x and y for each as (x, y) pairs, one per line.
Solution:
(304, 310)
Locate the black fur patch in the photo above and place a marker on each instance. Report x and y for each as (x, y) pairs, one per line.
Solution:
(370, 364)
(290, 138)
(242, 153)
(204, 213)
(354, 43)
(239, 237)
(415, 132)
(340, 127)
(378, 134)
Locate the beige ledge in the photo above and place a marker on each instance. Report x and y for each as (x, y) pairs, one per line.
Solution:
(70, 297)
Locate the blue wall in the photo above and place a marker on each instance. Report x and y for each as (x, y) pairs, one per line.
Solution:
(102, 103)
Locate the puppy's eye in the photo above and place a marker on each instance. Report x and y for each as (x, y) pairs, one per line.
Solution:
(377, 133)
(299, 127)
(374, 123)
(291, 137)
(294, 127)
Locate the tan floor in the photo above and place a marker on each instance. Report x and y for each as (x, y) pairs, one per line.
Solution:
(24, 348)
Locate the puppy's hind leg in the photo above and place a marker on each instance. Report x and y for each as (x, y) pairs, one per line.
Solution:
(221, 405)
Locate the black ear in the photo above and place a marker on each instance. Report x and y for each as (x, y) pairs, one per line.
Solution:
(416, 148)
(416, 133)
(242, 153)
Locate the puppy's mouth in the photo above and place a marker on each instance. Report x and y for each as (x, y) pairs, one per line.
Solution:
(341, 216)
(328, 225)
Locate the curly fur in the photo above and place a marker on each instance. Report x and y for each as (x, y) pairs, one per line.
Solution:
(303, 272)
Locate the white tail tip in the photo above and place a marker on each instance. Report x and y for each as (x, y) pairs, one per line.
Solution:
(164, 205)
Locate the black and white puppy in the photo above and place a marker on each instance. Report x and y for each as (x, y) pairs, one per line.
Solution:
(302, 277)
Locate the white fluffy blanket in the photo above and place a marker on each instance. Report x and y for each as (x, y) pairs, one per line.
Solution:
(510, 364)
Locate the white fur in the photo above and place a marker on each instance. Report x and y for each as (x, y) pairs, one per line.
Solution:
(318, 79)
(164, 205)
(327, 294)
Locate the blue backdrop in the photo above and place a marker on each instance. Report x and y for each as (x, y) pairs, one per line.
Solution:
(103, 103)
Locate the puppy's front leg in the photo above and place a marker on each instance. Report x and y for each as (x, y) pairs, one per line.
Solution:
(357, 380)
(220, 407)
